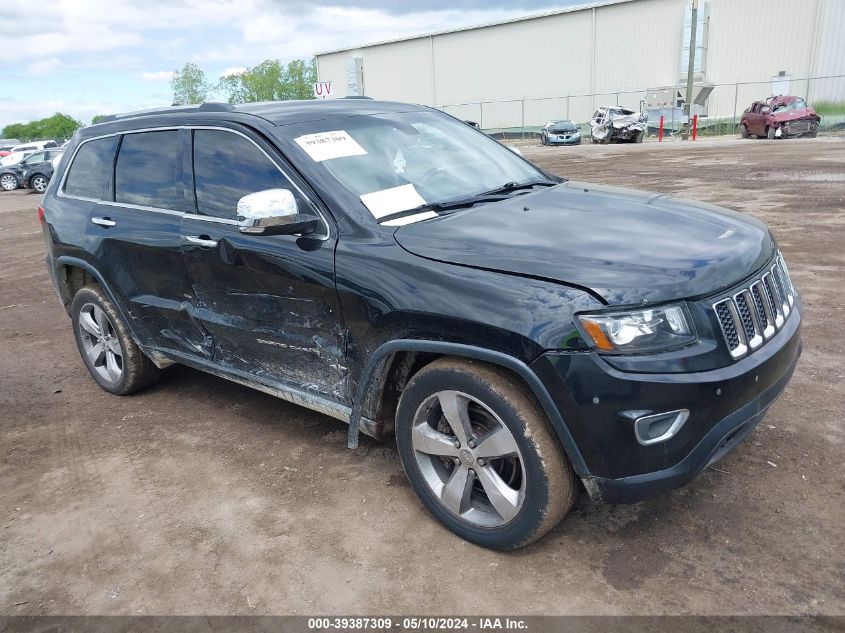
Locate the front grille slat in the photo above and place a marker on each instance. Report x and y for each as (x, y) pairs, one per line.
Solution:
(752, 315)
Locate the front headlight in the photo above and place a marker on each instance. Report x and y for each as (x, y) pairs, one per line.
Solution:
(639, 331)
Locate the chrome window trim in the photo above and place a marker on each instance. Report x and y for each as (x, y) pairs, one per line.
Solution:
(60, 191)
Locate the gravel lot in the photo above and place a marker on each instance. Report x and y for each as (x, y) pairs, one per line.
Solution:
(202, 496)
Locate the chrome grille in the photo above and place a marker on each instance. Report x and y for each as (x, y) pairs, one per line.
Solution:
(752, 315)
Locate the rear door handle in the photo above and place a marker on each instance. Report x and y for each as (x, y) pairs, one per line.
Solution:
(106, 222)
(201, 240)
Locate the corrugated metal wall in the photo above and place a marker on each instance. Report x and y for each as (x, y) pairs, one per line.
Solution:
(619, 48)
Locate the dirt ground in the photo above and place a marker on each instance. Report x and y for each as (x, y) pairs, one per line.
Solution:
(200, 496)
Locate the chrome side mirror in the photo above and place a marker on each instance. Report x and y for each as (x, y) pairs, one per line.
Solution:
(272, 212)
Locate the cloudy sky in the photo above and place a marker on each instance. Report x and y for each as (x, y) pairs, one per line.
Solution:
(87, 57)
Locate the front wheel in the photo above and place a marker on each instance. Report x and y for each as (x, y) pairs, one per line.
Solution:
(770, 133)
(39, 183)
(814, 130)
(481, 455)
(8, 182)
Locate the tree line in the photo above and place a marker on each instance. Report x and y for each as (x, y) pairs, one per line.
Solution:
(271, 80)
(55, 127)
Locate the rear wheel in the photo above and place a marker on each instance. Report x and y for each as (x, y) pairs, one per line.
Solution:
(743, 130)
(39, 183)
(481, 455)
(8, 182)
(106, 347)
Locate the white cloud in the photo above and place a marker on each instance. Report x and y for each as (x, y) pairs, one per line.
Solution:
(236, 70)
(43, 67)
(160, 75)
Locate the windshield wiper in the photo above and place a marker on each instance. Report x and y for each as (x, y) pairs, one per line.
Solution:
(494, 195)
(516, 186)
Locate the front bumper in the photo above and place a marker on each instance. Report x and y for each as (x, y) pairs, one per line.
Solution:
(725, 405)
(572, 140)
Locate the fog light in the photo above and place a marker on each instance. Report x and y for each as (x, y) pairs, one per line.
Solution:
(659, 427)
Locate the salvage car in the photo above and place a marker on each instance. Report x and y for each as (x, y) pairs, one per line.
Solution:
(522, 336)
(12, 177)
(38, 176)
(612, 124)
(779, 117)
(560, 132)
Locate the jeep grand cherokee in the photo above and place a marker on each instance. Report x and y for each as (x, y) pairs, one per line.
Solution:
(523, 336)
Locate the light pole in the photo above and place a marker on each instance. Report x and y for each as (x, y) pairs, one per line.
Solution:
(690, 69)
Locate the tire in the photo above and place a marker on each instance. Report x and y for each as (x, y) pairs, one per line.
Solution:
(640, 137)
(9, 182)
(114, 361)
(532, 484)
(39, 183)
(770, 133)
(814, 130)
(543, 140)
(743, 130)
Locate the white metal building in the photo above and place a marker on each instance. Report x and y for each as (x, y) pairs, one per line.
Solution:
(564, 63)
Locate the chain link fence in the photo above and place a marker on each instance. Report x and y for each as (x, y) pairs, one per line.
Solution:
(719, 114)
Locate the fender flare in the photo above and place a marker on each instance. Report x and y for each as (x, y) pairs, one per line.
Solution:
(68, 260)
(477, 353)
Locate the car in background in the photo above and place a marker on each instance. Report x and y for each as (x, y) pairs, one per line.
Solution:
(38, 177)
(614, 124)
(779, 117)
(560, 132)
(12, 176)
(34, 145)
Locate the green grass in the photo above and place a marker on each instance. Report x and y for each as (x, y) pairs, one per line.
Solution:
(828, 108)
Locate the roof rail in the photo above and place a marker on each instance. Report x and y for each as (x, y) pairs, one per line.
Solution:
(211, 106)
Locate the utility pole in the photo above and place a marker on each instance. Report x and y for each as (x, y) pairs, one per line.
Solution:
(690, 69)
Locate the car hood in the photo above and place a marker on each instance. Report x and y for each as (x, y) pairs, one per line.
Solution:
(627, 246)
(792, 115)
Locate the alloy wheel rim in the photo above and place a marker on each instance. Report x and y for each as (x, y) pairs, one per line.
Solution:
(39, 184)
(100, 343)
(8, 182)
(469, 459)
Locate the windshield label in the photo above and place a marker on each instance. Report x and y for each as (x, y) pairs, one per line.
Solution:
(328, 145)
(393, 200)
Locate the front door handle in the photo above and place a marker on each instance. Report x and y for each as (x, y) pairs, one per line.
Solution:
(106, 222)
(201, 240)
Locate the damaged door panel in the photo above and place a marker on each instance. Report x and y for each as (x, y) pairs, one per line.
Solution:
(141, 225)
(268, 301)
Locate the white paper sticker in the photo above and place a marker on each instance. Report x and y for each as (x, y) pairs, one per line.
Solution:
(327, 145)
(410, 219)
(393, 200)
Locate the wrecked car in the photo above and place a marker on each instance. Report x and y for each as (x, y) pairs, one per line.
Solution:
(560, 132)
(612, 124)
(523, 337)
(779, 117)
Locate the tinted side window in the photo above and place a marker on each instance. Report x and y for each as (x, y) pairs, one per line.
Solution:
(147, 172)
(226, 168)
(90, 173)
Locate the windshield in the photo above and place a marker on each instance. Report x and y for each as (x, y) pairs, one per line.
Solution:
(398, 161)
(562, 126)
(798, 104)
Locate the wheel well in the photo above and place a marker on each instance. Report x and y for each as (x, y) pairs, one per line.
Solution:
(382, 398)
(71, 280)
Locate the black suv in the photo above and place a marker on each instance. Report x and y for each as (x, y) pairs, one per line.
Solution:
(390, 266)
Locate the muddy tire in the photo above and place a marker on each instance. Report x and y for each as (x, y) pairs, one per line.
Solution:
(481, 455)
(770, 133)
(814, 130)
(106, 347)
(743, 130)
